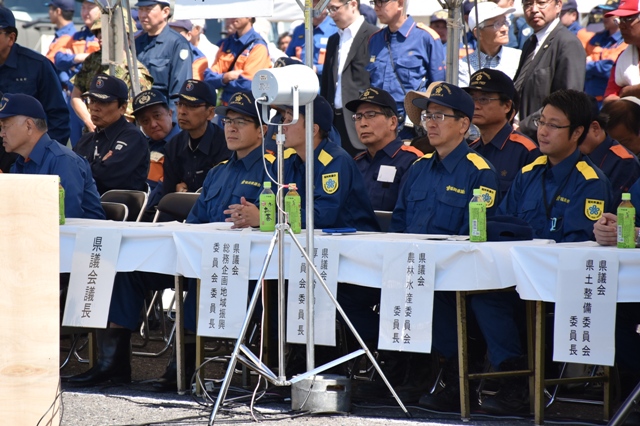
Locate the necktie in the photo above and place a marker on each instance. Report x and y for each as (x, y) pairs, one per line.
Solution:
(524, 69)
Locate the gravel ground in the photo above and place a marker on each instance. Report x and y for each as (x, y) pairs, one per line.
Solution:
(137, 404)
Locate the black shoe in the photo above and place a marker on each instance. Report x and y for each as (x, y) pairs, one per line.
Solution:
(168, 382)
(114, 359)
(447, 399)
(513, 396)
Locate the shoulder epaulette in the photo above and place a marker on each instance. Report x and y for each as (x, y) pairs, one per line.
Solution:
(428, 29)
(270, 158)
(289, 152)
(324, 157)
(412, 149)
(523, 140)
(621, 152)
(221, 163)
(586, 170)
(424, 157)
(540, 161)
(359, 155)
(478, 161)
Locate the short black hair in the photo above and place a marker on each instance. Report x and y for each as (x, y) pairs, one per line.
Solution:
(67, 15)
(576, 106)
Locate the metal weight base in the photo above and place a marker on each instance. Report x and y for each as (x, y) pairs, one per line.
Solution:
(242, 354)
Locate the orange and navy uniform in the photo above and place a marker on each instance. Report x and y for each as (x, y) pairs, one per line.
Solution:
(83, 41)
(247, 53)
(509, 151)
(200, 63)
(60, 40)
(602, 53)
(618, 164)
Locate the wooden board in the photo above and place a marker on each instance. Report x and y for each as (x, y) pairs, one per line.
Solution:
(29, 305)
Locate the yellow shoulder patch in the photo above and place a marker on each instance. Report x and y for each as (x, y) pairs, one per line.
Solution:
(478, 161)
(593, 209)
(587, 171)
(330, 183)
(426, 156)
(289, 152)
(488, 196)
(325, 158)
(270, 158)
(540, 161)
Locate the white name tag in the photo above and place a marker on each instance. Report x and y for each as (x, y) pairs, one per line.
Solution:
(223, 288)
(93, 269)
(586, 307)
(387, 174)
(406, 299)
(326, 261)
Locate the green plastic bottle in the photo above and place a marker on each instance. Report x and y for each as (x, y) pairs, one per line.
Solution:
(292, 207)
(477, 218)
(61, 203)
(626, 223)
(267, 209)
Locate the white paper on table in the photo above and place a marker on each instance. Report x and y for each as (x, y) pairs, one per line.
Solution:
(222, 306)
(406, 300)
(93, 270)
(586, 295)
(326, 256)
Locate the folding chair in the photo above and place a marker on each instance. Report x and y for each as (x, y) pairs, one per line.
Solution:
(115, 211)
(384, 219)
(136, 201)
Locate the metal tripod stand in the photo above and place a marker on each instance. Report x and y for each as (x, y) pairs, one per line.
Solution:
(244, 355)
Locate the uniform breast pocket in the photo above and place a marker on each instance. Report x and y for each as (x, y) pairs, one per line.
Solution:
(451, 210)
(159, 69)
(409, 67)
(212, 201)
(534, 213)
(416, 204)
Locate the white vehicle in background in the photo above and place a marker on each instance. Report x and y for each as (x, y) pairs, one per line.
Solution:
(35, 31)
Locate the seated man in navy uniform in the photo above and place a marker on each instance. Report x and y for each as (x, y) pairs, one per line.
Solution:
(616, 162)
(435, 199)
(117, 151)
(508, 150)
(152, 113)
(561, 195)
(385, 162)
(24, 131)
(199, 146)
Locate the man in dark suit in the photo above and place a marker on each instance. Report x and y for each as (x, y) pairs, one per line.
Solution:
(552, 59)
(345, 74)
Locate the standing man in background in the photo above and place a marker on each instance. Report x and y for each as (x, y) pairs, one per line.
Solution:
(345, 73)
(61, 15)
(403, 56)
(165, 53)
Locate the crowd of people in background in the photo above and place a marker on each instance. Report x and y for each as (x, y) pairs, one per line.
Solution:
(554, 107)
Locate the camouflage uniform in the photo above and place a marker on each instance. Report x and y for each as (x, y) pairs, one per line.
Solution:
(93, 66)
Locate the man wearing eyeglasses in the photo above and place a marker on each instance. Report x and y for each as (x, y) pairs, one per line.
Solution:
(508, 151)
(624, 79)
(117, 150)
(435, 200)
(385, 162)
(345, 74)
(403, 56)
(199, 146)
(552, 59)
(492, 32)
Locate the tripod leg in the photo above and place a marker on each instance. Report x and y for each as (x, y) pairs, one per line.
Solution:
(349, 324)
(245, 326)
(625, 409)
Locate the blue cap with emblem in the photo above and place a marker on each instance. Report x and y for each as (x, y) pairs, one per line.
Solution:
(195, 92)
(492, 80)
(20, 104)
(375, 96)
(148, 98)
(6, 18)
(242, 103)
(62, 4)
(108, 89)
(447, 95)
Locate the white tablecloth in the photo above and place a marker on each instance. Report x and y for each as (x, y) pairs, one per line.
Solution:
(536, 269)
(176, 248)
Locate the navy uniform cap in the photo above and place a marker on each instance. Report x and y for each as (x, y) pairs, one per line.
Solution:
(163, 3)
(196, 92)
(62, 4)
(610, 5)
(107, 88)
(569, 5)
(322, 113)
(13, 104)
(447, 95)
(284, 61)
(185, 24)
(148, 98)
(494, 81)
(6, 18)
(508, 228)
(242, 103)
(375, 96)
